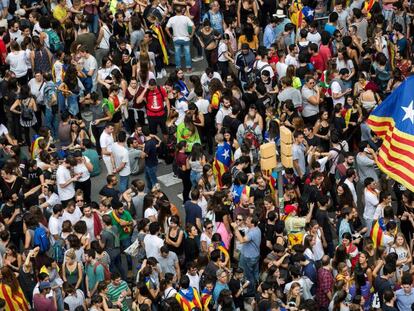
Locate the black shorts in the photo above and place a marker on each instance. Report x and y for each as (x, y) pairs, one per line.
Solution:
(153, 123)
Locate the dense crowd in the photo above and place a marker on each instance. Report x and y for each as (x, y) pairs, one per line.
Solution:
(107, 91)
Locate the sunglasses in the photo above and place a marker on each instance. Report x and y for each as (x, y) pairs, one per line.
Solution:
(210, 227)
(79, 200)
(239, 219)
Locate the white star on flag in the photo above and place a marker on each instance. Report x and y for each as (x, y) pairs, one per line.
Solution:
(226, 154)
(409, 112)
(235, 194)
(310, 13)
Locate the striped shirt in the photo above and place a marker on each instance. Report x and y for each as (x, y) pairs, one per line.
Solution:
(115, 291)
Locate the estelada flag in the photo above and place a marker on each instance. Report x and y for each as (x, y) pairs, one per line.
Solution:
(393, 121)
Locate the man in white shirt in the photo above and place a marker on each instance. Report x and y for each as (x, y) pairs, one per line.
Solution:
(338, 88)
(371, 201)
(107, 141)
(90, 69)
(152, 242)
(55, 224)
(208, 75)
(281, 66)
(224, 110)
(49, 197)
(351, 177)
(72, 213)
(180, 24)
(65, 182)
(291, 58)
(181, 105)
(88, 218)
(121, 160)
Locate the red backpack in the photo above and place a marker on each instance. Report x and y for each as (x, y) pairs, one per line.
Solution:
(250, 134)
(107, 273)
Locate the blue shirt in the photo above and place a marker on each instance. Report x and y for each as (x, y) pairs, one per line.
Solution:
(330, 28)
(404, 301)
(217, 290)
(269, 36)
(216, 21)
(251, 249)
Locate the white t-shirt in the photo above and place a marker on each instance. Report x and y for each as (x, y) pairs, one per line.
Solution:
(264, 66)
(17, 62)
(107, 141)
(82, 169)
(371, 202)
(336, 88)
(314, 37)
(91, 64)
(181, 106)
(291, 60)
(89, 227)
(222, 113)
(222, 49)
(351, 187)
(152, 245)
(202, 105)
(281, 69)
(180, 25)
(36, 89)
(149, 212)
(120, 154)
(3, 130)
(62, 176)
(55, 227)
(74, 217)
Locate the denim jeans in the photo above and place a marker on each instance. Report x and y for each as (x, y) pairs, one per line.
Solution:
(125, 243)
(179, 46)
(150, 176)
(195, 177)
(250, 266)
(72, 104)
(116, 265)
(94, 25)
(52, 121)
(123, 183)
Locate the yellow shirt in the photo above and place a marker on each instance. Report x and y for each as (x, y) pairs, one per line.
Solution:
(254, 45)
(60, 12)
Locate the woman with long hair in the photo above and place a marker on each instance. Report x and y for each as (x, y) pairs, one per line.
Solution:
(209, 39)
(174, 237)
(322, 129)
(191, 249)
(26, 107)
(293, 297)
(339, 303)
(105, 79)
(40, 57)
(402, 249)
(72, 270)
(222, 217)
(104, 42)
(344, 196)
(248, 37)
(150, 212)
(187, 132)
(167, 286)
(196, 161)
(183, 168)
(16, 59)
(71, 89)
(141, 297)
(11, 291)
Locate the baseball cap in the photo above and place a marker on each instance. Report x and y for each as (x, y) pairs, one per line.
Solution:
(245, 46)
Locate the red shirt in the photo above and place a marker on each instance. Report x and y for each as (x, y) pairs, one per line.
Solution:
(155, 102)
(325, 53)
(318, 62)
(42, 303)
(3, 51)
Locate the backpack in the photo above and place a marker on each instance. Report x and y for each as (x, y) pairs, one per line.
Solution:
(149, 106)
(41, 239)
(57, 252)
(54, 41)
(258, 71)
(249, 133)
(27, 112)
(107, 273)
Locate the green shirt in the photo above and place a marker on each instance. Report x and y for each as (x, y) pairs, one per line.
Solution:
(115, 291)
(93, 156)
(125, 216)
(184, 134)
(95, 274)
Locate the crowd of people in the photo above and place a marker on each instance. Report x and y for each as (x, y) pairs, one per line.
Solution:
(99, 92)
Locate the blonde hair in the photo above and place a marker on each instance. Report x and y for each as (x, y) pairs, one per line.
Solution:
(71, 253)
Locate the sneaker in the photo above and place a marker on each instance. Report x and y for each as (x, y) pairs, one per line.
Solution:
(164, 73)
(197, 59)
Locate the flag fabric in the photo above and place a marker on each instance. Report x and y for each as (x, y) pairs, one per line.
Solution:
(238, 191)
(222, 161)
(157, 29)
(14, 301)
(393, 121)
(377, 231)
(206, 297)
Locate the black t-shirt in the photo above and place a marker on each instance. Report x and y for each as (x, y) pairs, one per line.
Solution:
(381, 285)
(387, 308)
(232, 124)
(192, 212)
(34, 176)
(264, 304)
(259, 194)
(323, 221)
(234, 286)
(150, 149)
(314, 141)
(14, 187)
(16, 226)
(109, 192)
